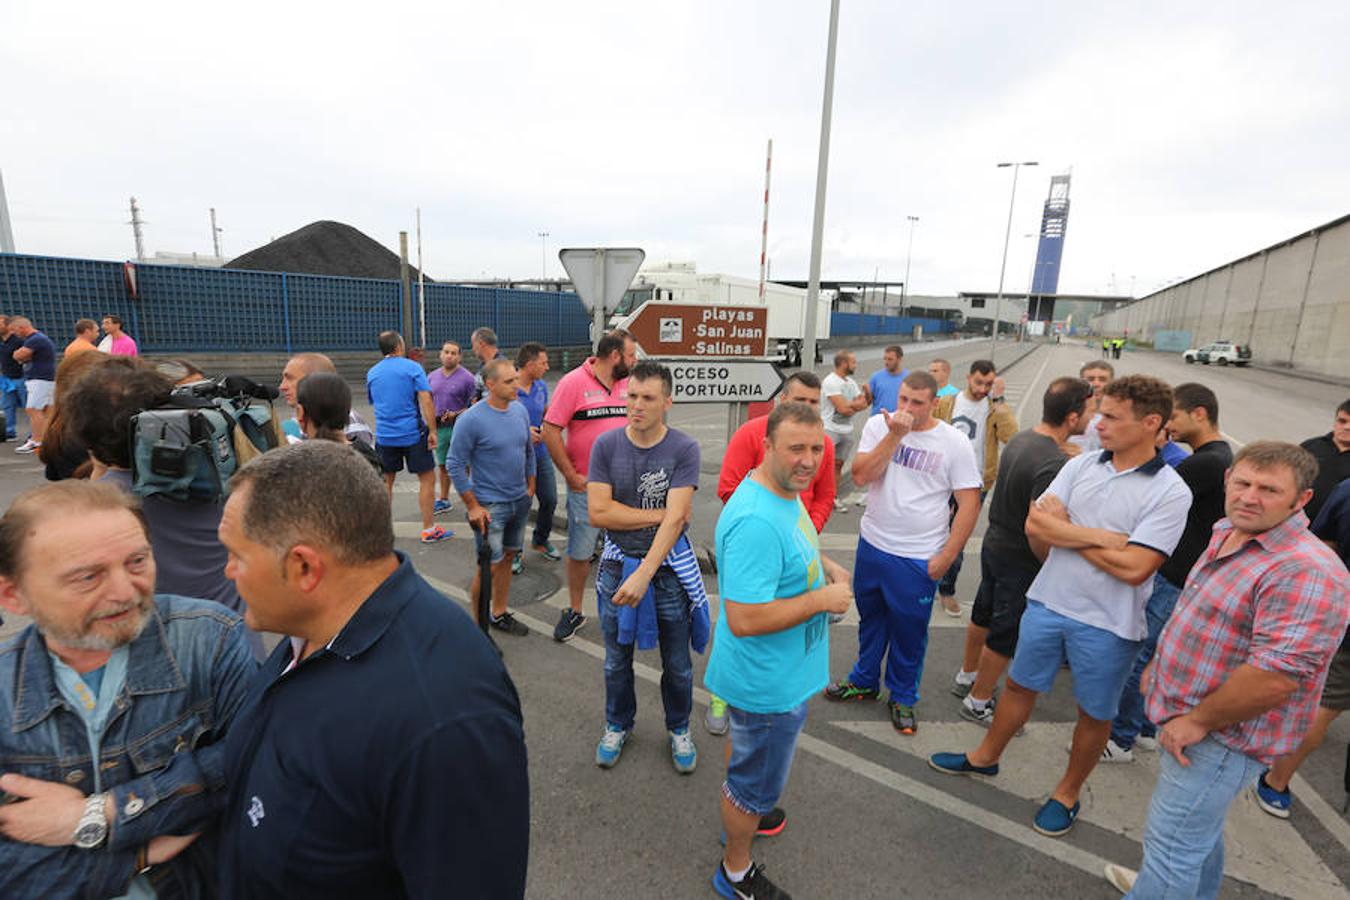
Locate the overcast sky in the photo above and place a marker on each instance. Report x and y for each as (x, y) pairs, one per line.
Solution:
(1196, 132)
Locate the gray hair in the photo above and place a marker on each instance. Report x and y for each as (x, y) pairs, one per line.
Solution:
(295, 500)
(483, 335)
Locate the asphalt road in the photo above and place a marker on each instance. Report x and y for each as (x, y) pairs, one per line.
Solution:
(867, 818)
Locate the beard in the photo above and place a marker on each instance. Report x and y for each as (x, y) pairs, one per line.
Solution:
(94, 633)
(620, 371)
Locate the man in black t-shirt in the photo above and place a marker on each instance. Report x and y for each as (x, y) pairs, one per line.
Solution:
(1195, 421)
(12, 395)
(1008, 563)
(1332, 451)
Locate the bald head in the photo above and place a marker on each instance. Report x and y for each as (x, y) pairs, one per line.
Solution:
(298, 367)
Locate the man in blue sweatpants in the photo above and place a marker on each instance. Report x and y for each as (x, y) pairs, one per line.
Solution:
(912, 465)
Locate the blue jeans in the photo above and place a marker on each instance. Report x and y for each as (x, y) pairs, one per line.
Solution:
(677, 669)
(1183, 838)
(546, 492)
(895, 602)
(506, 529)
(13, 397)
(1130, 721)
(762, 747)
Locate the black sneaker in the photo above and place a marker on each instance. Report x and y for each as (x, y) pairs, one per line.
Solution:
(844, 691)
(902, 717)
(772, 822)
(754, 886)
(507, 622)
(569, 623)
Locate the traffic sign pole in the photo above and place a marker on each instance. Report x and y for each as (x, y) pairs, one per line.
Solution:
(598, 322)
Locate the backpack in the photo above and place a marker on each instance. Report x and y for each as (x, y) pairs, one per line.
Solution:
(188, 448)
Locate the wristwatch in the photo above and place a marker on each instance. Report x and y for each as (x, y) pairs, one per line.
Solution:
(92, 828)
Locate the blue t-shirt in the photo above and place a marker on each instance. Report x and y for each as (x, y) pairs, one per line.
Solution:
(535, 402)
(490, 452)
(1333, 520)
(948, 390)
(767, 549)
(391, 386)
(640, 477)
(885, 389)
(41, 366)
(8, 367)
(1173, 453)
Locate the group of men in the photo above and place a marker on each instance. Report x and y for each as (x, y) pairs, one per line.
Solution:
(28, 370)
(1099, 555)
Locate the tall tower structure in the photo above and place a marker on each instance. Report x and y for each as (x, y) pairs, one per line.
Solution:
(1054, 223)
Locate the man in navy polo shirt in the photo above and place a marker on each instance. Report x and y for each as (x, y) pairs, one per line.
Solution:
(380, 752)
(405, 426)
(38, 356)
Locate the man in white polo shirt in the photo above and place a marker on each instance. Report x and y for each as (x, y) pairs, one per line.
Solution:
(1106, 523)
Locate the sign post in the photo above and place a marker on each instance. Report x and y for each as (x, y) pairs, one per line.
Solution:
(600, 276)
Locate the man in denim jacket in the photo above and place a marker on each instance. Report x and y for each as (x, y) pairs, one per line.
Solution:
(113, 706)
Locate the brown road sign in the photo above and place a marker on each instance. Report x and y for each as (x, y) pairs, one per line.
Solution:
(682, 329)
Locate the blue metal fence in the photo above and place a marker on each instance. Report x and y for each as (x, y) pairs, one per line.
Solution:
(845, 324)
(183, 309)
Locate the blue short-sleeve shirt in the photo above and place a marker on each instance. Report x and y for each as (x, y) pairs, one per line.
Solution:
(392, 385)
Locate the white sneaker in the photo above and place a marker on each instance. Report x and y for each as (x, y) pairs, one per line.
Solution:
(1121, 878)
(28, 446)
(1114, 753)
(1146, 743)
(950, 605)
(839, 505)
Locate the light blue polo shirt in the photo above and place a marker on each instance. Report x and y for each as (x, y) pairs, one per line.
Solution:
(392, 386)
(1149, 503)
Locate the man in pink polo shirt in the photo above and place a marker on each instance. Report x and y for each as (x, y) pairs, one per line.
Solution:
(588, 401)
(116, 341)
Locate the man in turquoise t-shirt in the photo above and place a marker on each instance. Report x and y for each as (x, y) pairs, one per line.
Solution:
(771, 651)
(884, 385)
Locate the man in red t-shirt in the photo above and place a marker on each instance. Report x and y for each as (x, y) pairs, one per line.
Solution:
(588, 401)
(744, 453)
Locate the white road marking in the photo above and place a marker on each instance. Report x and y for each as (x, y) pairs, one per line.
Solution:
(1260, 850)
(1031, 389)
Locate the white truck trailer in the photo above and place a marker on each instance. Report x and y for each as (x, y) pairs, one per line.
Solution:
(680, 282)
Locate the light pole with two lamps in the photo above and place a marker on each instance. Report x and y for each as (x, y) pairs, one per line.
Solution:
(1007, 235)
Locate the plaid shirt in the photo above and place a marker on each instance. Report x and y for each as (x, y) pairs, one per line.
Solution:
(1280, 604)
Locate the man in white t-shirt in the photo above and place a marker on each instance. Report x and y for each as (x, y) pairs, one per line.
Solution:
(1097, 373)
(913, 465)
(842, 399)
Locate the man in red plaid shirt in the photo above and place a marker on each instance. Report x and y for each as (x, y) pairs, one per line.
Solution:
(1239, 666)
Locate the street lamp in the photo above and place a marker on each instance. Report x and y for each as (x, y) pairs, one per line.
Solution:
(904, 288)
(1007, 235)
(543, 256)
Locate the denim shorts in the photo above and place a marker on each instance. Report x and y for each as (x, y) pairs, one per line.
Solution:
(1099, 661)
(581, 535)
(506, 531)
(762, 747)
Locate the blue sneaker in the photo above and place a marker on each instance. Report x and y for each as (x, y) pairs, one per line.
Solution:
(1055, 819)
(440, 507)
(549, 552)
(683, 753)
(1272, 801)
(610, 748)
(957, 764)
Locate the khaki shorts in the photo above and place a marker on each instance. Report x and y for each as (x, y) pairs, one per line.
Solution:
(1336, 692)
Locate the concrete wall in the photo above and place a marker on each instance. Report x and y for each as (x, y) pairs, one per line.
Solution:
(1290, 302)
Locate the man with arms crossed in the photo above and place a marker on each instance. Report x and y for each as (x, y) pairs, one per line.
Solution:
(772, 651)
(379, 752)
(493, 463)
(405, 426)
(843, 400)
(640, 490)
(746, 451)
(1195, 421)
(1008, 565)
(115, 706)
(1239, 667)
(1110, 519)
(914, 466)
(588, 401)
(38, 357)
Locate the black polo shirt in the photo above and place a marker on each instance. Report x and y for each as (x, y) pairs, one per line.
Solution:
(1333, 467)
(389, 764)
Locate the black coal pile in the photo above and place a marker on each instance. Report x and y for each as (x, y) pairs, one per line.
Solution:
(325, 248)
